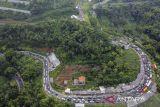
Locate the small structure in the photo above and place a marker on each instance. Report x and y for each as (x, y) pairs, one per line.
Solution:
(154, 66)
(102, 89)
(79, 105)
(75, 82)
(65, 82)
(51, 79)
(126, 46)
(82, 80)
(67, 91)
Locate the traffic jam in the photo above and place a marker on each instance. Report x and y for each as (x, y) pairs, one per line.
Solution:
(96, 96)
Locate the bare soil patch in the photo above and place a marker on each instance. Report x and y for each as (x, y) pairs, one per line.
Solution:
(69, 70)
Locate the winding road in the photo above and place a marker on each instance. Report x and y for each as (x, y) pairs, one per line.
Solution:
(19, 81)
(17, 1)
(144, 79)
(15, 10)
(136, 89)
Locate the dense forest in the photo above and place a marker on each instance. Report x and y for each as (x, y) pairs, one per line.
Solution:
(31, 94)
(139, 20)
(136, 21)
(49, 27)
(74, 43)
(40, 9)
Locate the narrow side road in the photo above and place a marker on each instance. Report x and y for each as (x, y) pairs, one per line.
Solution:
(15, 10)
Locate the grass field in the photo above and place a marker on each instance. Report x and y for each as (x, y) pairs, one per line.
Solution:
(107, 105)
(152, 102)
(129, 61)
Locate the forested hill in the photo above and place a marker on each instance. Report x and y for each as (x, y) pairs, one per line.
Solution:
(39, 9)
(70, 37)
(138, 19)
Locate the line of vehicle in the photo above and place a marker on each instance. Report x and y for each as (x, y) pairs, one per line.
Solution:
(96, 96)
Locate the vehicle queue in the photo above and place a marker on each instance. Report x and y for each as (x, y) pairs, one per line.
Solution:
(96, 96)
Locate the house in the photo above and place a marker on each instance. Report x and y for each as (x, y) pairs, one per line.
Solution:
(65, 82)
(51, 79)
(82, 80)
(75, 82)
(154, 66)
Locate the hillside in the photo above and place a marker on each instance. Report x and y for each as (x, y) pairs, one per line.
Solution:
(45, 26)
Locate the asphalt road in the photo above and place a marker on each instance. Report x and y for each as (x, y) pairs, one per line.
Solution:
(19, 81)
(95, 96)
(17, 1)
(15, 10)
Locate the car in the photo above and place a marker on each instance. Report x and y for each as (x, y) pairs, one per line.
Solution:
(63, 99)
(91, 101)
(85, 101)
(98, 100)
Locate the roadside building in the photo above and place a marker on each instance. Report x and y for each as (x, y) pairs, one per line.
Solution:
(51, 79)
(82, 80)
(68, 91)
(75, 82)
(65, 82)
(102, 89)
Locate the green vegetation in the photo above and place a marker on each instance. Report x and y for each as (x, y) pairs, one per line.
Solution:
(31, 95)
(40, 9)
(76, 43)
(152, 101)
(107, 105)
(157, 79)
(56, 71)
(121, 69)
(138, 21)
